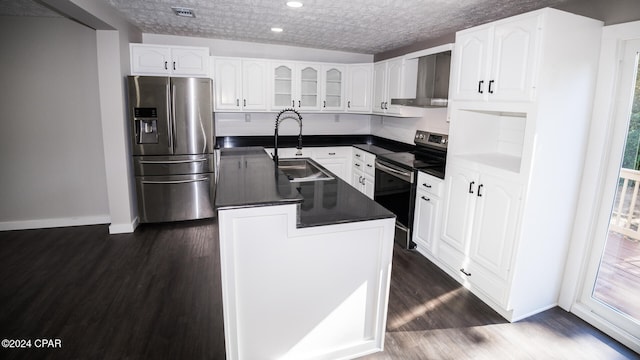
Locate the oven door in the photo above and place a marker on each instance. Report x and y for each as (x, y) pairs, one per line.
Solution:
(394, 190)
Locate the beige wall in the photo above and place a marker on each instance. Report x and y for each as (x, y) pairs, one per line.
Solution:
(51, 149)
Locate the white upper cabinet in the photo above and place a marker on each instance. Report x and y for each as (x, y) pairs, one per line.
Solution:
(497, 61)
(169, 60)
(240, 84)
(359, 85)
(333, 85)
(296, 85)
(269, 85)
(393, 79)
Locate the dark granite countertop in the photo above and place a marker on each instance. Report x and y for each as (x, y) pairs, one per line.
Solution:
(373, 149)
(248, 177)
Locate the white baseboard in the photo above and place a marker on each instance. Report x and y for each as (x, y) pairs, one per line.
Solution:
(53, 223)
(124, 228)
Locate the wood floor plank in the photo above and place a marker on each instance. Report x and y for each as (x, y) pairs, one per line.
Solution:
(156, 294)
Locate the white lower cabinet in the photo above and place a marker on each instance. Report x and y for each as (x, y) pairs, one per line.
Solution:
(363, 172)
(479, 230)
(428, 209)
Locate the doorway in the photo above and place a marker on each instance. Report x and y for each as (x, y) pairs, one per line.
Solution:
(611, 289)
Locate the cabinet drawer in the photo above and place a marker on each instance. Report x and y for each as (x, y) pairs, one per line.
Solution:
(176, 197)
(430, 184)
(367, 159)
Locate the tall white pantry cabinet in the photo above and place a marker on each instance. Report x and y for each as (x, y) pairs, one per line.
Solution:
(522, 90)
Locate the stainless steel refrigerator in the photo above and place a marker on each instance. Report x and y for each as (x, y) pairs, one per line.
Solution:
(173, 147)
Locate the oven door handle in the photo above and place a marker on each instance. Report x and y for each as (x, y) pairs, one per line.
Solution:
(391, 171)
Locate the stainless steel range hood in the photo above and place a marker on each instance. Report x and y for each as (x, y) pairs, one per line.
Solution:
(432, 85)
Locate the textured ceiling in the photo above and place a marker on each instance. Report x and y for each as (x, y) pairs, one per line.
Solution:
(362, 26)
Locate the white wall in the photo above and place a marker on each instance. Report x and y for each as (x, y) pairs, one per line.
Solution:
(256, 50)
(51, 150)
(404, 129)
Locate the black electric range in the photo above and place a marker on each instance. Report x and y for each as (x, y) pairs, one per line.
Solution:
(396, 173)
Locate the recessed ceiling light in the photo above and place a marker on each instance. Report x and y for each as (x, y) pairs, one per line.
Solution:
(294, 4)
(276, 29)
(181, 11)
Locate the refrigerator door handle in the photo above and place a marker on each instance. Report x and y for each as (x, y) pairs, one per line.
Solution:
(169, 118)
(170, 161)
(170, 182)
(173, 118)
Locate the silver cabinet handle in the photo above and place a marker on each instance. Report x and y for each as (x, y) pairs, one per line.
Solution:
(426, 185)
(324, 104)
(165, 65)
(238, 102)
(170, 161)
(332, 153)
(174, 65)
(349, 104)
(425, 198)
(369, 165)
(356, 164)
(464, 272)
(244, 102)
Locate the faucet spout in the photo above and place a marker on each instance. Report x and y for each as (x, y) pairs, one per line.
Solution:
(283, 115)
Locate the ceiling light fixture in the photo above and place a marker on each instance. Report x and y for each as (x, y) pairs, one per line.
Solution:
(181, 11)
(294, 4)
(276, 29)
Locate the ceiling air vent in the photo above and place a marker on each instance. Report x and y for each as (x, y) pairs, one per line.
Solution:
(186, 12)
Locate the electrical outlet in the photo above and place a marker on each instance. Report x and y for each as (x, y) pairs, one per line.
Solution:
(336, 118)
(247, 117)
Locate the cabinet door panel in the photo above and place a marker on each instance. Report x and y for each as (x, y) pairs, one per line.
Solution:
(254, 85)
(359, 86)
(150, 60)
(379, 86)
(513, 60)
(494, 228)
(228, 83)
(309, 87)
(424, 223)
(368, 186)
(192, 62)
(394, 85)
(459, 207)
(282, 86)
(333, 86)
(470, 65)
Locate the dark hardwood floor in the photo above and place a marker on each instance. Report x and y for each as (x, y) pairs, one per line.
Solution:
(155, 294)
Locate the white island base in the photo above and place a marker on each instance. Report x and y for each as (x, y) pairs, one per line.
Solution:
(303, 293)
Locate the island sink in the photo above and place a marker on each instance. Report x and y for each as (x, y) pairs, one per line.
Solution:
(303, 169)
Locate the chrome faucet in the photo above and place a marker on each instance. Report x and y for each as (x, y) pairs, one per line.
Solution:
(283, 115)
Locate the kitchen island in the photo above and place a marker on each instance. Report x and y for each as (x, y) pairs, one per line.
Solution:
(305, 265)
